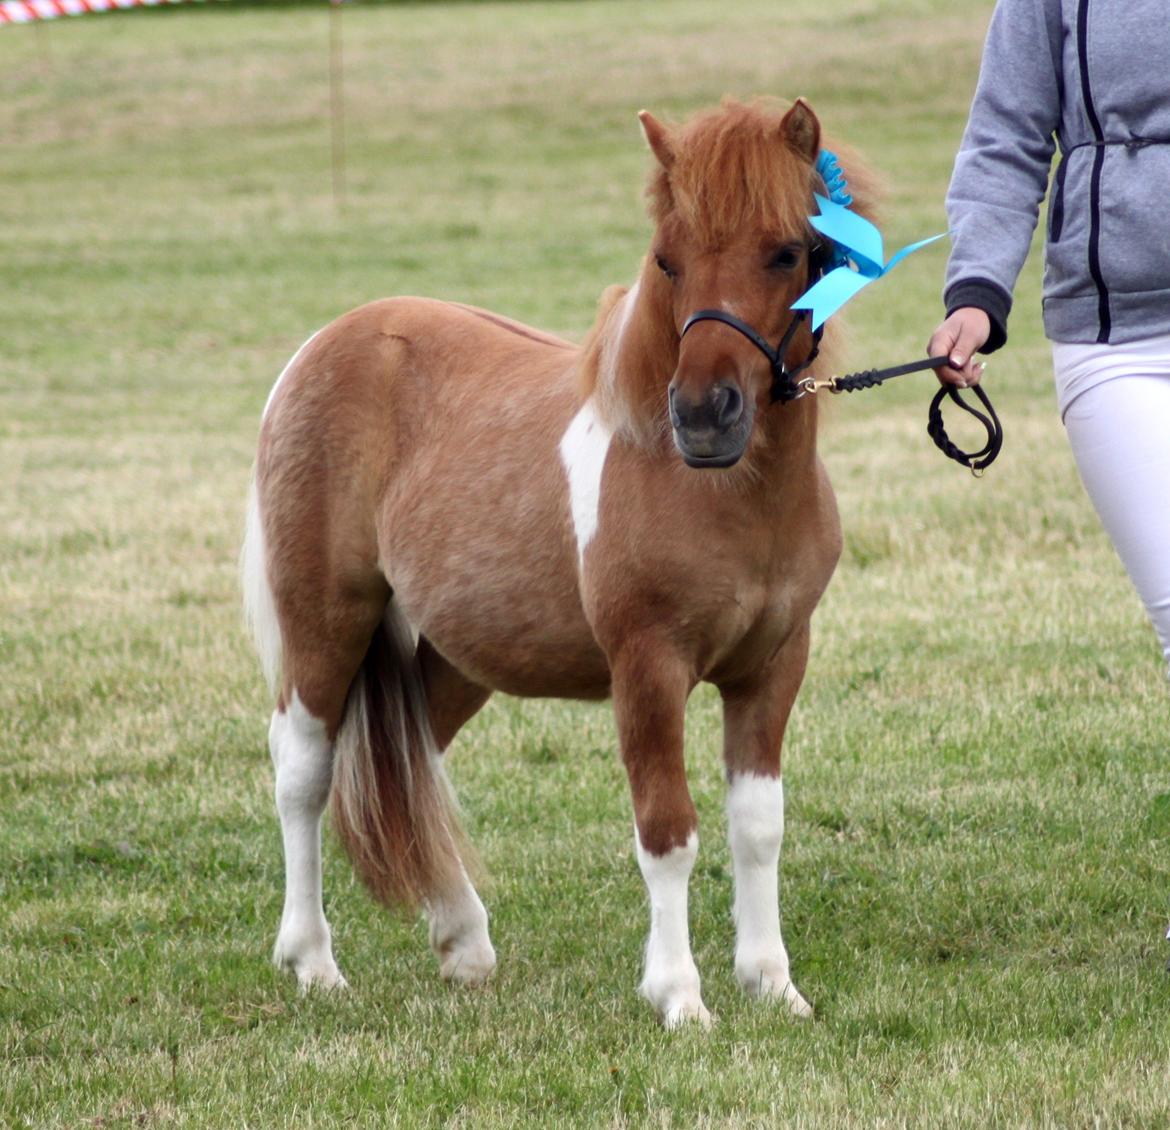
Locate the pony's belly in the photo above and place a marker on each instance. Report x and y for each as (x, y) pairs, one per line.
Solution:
(529, 667)
(515, 646)
(550, 676)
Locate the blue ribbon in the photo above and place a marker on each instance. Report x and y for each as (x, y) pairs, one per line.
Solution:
(858, 253)
(829, 170)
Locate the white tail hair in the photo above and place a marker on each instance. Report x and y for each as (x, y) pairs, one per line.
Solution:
(259, 606)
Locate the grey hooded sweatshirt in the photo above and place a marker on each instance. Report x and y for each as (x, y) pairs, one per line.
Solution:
(1094, 77)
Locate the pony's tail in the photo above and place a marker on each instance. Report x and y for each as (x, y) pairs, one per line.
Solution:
(259, 606)
(393, 808)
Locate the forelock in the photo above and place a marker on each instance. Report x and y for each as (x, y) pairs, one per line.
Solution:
(732, 173)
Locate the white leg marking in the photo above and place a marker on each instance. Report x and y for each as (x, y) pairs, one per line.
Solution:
(671, 981)
(584, 447)
(755, 818)
(459, 936)
(303, 759)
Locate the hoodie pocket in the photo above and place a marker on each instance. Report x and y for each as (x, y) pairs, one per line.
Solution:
(1135, 237)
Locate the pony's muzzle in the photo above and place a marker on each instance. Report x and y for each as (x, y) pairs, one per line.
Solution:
(711, 431)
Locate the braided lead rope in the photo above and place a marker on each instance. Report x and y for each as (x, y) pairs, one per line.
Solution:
(975, 461)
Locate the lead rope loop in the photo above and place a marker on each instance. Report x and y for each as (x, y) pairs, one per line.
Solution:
(976, 461)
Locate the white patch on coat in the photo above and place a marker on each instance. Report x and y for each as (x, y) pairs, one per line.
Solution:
(755, 825)
(671, 980)
(584, 447)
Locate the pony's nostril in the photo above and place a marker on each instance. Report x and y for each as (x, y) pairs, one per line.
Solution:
(718, 410)
(728, 405)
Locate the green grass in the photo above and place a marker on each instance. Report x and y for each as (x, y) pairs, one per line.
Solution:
(974, 877)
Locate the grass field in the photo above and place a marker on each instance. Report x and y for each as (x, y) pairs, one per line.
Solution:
(975, 874)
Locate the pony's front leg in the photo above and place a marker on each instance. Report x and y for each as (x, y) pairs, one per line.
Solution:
(754, 718)
(649, 693)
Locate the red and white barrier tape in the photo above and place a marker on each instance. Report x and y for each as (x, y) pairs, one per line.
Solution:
(29, 11)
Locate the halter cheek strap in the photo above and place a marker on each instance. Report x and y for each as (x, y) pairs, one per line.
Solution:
(785, 386)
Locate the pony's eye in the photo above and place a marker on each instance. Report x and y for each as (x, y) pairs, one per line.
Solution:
(666, 268)
(785, 258)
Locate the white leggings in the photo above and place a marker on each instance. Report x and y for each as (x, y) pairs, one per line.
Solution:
(1115, 401)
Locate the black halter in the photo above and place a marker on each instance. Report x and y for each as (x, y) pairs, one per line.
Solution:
(784, 383)
(786, 386)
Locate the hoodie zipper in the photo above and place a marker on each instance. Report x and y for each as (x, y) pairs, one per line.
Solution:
(1056, 212)
(1104, 316)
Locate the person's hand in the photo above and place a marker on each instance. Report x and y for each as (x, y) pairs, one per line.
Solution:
(958, 337)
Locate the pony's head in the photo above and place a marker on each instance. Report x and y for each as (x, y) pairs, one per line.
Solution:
(730, 199)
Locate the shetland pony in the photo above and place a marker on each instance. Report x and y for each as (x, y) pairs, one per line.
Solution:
(448, 503)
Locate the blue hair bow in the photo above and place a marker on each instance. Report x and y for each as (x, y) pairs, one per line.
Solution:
(857, 255)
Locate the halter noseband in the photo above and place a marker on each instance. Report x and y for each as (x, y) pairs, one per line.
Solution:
(784, 383)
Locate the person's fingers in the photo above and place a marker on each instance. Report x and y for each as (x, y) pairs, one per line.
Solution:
(942, 344)
(942, 341)
(958, 338)
(971, 335)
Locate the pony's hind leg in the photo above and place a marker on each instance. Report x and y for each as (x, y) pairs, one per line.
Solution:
(458, 921)
(321, 655)
(285, 620)
(459, 936)
(302, 755)
(755, 717)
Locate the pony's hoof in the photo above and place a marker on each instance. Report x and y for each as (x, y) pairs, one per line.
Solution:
(787, 994)
(775, 985)
(459, 937)
(326, 980)
(315, 975)
(685, 1013)
(675, 994)
(313, 965)
(798, 1007)
(468, 965)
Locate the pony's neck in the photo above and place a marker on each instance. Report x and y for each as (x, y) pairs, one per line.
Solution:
(628, 360)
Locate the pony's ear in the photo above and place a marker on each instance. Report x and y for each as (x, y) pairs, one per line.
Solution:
(801, 129)
(657, 137)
